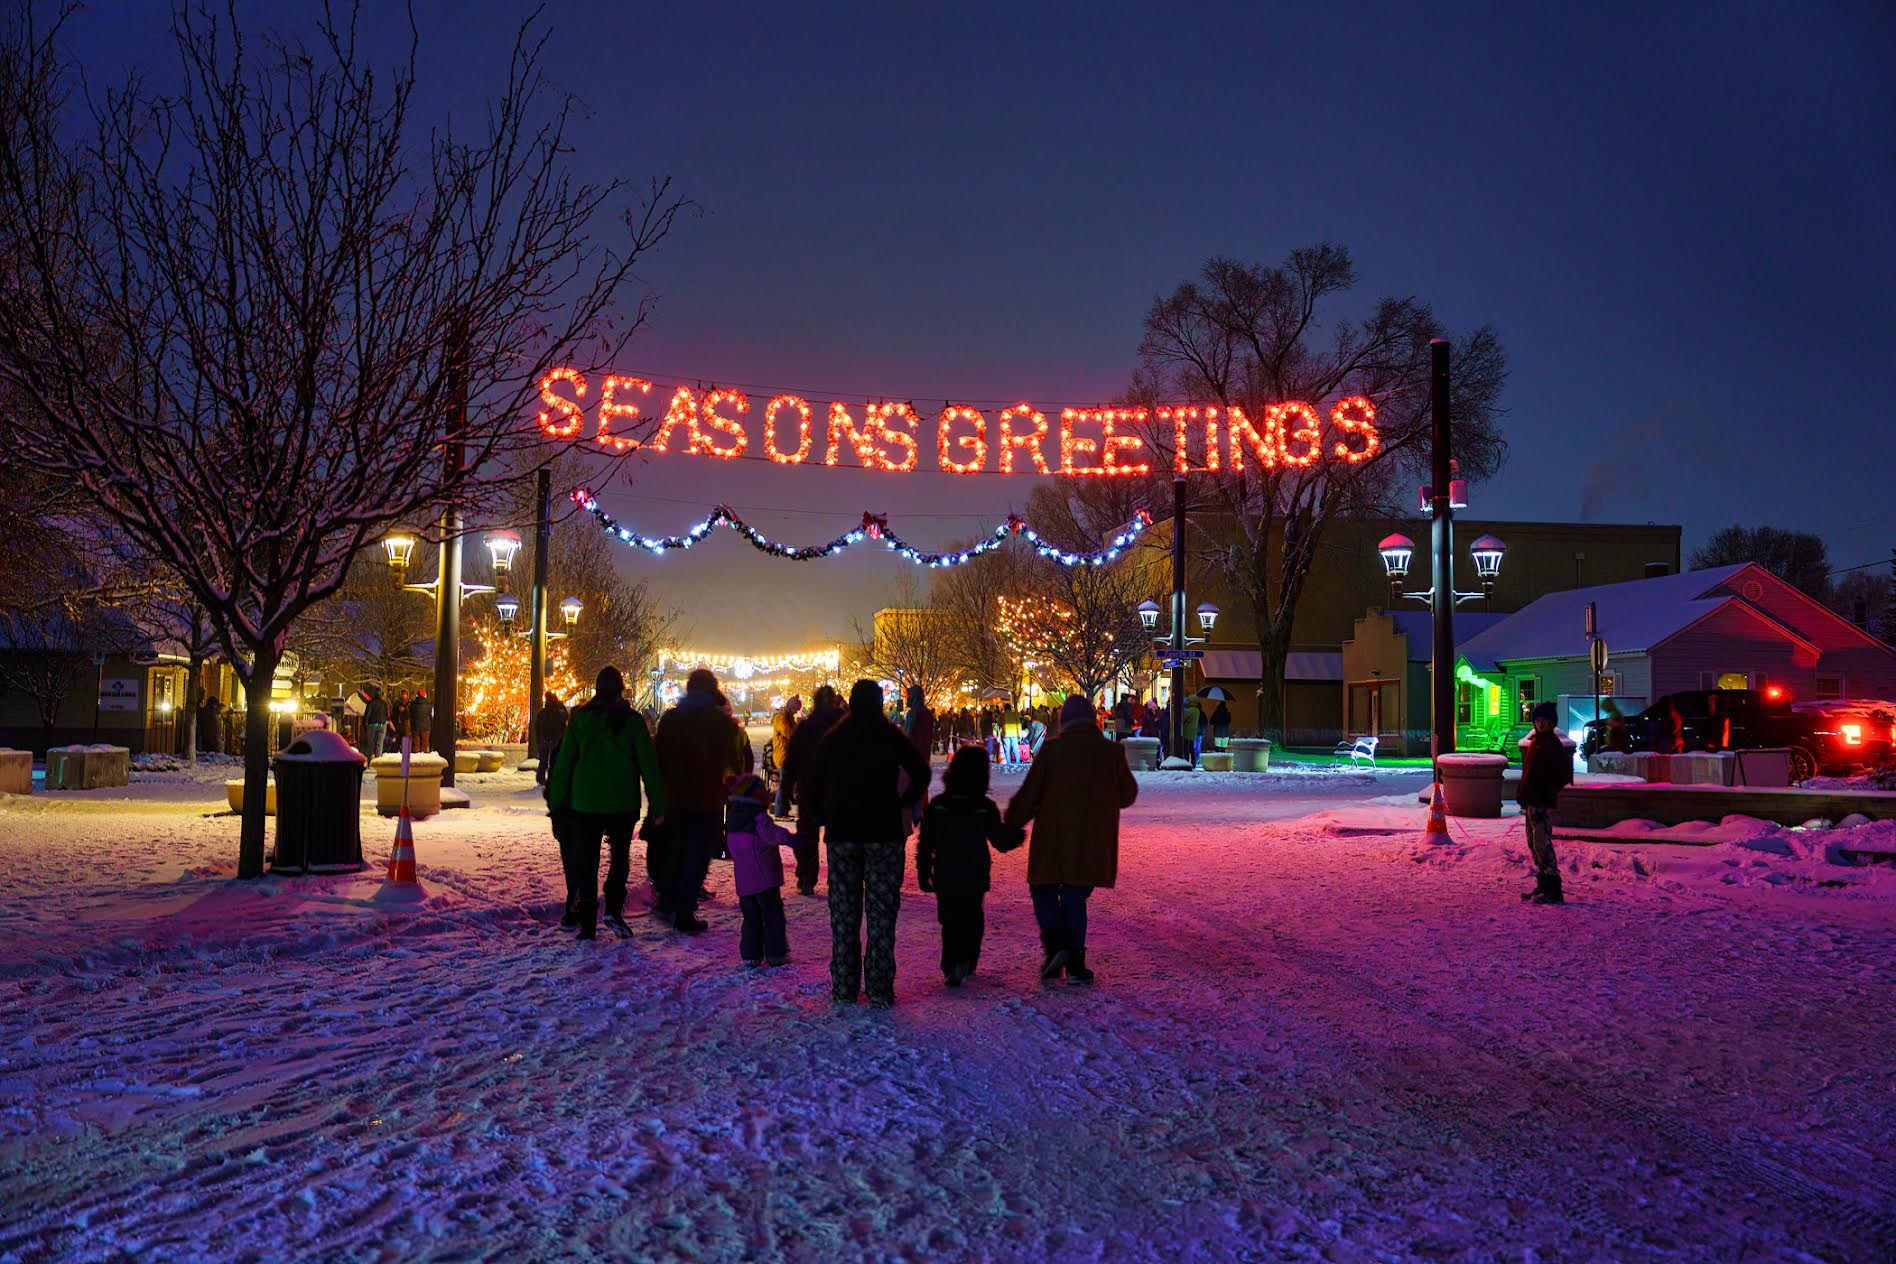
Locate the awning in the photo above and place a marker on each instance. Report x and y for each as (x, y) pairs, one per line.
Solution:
(1248, 665)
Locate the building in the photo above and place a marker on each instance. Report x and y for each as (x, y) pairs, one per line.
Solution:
(1730, 627)
(1384, 669)
(1347, 580)
(108, 682)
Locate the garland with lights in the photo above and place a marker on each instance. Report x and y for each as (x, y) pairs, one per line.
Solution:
(874, 527)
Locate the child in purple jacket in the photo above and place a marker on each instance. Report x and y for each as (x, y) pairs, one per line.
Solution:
(755, 843)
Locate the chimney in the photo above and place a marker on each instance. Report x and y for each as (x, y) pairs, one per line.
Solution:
(1655, 569)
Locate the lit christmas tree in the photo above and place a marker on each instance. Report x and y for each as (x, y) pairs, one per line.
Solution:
(495, 703)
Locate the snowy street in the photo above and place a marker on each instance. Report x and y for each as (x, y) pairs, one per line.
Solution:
(1313, 1037)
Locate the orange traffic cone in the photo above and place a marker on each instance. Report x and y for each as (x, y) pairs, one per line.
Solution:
(401, 885)
(1438, 819)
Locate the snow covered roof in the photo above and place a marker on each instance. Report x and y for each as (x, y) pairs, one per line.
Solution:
(1419, 628)
(1633, 616)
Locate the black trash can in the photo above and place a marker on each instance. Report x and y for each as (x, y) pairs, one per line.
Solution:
(319, 805)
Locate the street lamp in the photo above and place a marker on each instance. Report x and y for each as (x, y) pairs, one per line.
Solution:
(399, 547)
(1149, 614)
(569, 611)
(501, 546)
(1207, 615)
(1487, 551)
(1396, 551)
(507, 606)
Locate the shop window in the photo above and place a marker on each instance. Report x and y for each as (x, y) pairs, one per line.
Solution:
(1528, 690)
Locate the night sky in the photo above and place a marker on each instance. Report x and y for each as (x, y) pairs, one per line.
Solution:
(1680, 224)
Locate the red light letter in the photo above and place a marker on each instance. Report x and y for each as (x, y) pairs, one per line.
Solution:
(608, 410)
(1110, 442)
(1031, 442)
(1356, 415)
(566, 408)
(730, 426)
(975, 444)
(841, 426)
(803, 429)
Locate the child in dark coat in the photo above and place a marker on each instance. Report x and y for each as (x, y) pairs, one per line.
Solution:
(952, 859)
(1546, 767)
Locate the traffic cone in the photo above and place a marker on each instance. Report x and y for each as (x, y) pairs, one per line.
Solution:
(401, 886)
(1438, 819)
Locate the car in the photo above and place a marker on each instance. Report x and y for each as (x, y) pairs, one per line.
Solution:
(1833, 736)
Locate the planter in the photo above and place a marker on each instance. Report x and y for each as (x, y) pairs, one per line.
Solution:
(1250, 754)
(1142, 752)
(487, 761)
(1215, 761)
(1471, 783)
(234, 794)
(16, 771)
(467, 761)
(424, 784)
(88, 767)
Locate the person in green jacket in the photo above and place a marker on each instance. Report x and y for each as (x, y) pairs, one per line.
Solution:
(593, 790)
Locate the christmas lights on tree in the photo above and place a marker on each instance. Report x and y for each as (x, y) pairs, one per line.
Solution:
(494, 700)
(873, 527)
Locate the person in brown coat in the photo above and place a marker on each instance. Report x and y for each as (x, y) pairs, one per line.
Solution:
(1074, 792)
(699, 747)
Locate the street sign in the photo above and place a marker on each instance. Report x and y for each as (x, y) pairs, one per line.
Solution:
(1598, 651)
(1187, 655)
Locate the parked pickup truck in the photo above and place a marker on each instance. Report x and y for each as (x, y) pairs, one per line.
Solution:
(1835, 737)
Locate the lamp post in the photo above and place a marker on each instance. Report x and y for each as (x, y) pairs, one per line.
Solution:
(1177, 641)
(1442, 497)
(448, 589)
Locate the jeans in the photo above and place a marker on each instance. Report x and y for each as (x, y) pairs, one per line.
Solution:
(1540, 840)
(372, 736)
(865, 883)
(1010, 750)
(781, 805)
(699, 834)
(546, 758)
(578, 834)
(763, 937)
(963, 923)
(1062, 907)
(808, 863)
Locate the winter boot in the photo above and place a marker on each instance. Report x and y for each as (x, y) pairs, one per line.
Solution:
(1540, 885)
(1054, 963)
(1076, 966)
(1550, 891)
(587, 917)
(616, 924)
(689, 925)
(569, 918)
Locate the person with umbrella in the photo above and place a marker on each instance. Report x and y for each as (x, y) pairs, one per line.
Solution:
(1220, 716)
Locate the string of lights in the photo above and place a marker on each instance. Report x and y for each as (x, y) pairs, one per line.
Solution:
(873, 527)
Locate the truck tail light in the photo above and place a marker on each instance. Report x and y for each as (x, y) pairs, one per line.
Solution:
(1774, 693)
(1852, 734)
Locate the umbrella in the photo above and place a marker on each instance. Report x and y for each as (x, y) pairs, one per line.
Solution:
(1216, 693)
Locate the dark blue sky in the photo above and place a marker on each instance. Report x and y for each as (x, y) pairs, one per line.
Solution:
(1679, 223)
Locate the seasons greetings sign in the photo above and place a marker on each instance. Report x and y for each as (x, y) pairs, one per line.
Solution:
(616, 412)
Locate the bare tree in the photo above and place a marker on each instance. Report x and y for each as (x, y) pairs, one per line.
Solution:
(1080, 621)
(1799, 558)
(912, 642)
(968, 597)
(267, 317)
(1248, 334)
(175, 616)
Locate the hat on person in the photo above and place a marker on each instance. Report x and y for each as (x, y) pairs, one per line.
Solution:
(1546, 711)
(749, 786)
(1078, 709)
(701, 680)
(865, 698)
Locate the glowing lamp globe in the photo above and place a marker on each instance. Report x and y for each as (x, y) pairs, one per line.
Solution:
(400, 547)
(1149, 614)
(1396, 551)
(1488, 551)
(1207, 615)
(569, 610)
(501, 546)
(506, 606)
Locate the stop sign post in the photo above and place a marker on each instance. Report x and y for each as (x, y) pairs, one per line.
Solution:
(1597, 652)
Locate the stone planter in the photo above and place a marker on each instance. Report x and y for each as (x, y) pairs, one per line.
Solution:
(1250, 754)
(234, 794)
(16, 771)
(424, 784)
(1142, 753)
(88, 767)
(1215, 761)
(1471, 783)
(467, 761)
(487, 761)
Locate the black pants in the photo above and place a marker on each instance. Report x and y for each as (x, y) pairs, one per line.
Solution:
(579, 834)
(806, 853)
(865, 886)
(963, 923)
(700, 834)
(763, 937)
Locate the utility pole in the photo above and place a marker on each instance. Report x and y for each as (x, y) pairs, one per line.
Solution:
(1442, 540)
(1177, 743)
(542, 541)
(447, 663)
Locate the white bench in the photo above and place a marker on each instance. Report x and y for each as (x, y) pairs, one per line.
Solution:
(1358, 749)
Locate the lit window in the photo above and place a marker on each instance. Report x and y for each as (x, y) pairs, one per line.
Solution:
(1733, 680)
(1494, 701)
(1529, 687)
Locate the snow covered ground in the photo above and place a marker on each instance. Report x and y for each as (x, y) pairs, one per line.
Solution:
(1314, 1037)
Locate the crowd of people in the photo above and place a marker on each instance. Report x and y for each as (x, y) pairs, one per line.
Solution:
(857, 778)
(385, 723)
